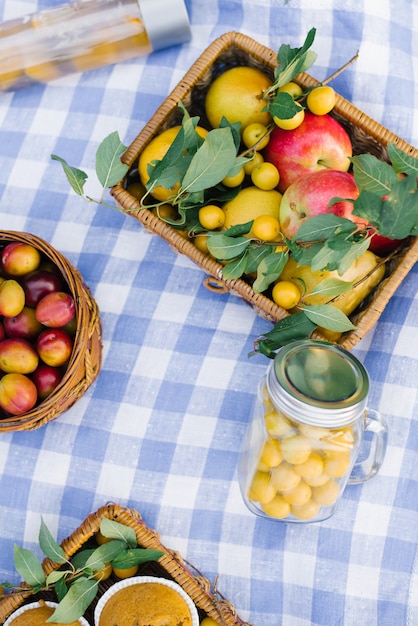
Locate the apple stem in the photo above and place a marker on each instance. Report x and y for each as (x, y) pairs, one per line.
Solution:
(341, 70)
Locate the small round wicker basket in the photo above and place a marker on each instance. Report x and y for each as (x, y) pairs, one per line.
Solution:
(85, 360)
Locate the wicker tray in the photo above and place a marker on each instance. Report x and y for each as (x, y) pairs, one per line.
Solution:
(367, 135)
(85, 361)
(208, 601)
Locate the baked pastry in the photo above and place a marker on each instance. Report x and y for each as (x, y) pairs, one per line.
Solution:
(36, 615)
(146, 604)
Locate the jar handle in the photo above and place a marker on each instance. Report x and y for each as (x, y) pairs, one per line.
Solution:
(375, 442)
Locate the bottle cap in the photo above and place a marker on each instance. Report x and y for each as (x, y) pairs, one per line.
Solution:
(166, 22)
(318, 383)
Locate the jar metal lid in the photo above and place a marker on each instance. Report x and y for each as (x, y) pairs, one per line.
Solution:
(318, 383)
(166, 22)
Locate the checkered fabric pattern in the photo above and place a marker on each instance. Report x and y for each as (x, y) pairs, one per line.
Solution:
(161, 428)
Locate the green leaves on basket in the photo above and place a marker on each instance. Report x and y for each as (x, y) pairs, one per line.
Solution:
(76, 580)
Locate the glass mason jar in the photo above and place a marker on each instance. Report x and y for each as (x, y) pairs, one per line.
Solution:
(85, 34)
(310, 434)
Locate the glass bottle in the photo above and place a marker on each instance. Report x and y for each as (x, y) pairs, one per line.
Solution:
(306, 439)
(86, 34)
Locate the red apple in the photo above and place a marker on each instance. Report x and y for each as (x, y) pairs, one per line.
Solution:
(320, 142)
(46, 379)
(383, 245)
(54, 346)
(18, 393)
(310, 195)
(56, 309)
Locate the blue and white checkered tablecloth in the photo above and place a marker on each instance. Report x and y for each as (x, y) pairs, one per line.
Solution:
(161, 428)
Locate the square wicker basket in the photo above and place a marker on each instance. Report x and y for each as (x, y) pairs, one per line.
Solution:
(209, 602)
(367, 135)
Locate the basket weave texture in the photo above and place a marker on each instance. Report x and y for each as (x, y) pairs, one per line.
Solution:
(208, 601)
(230, 50)
(85, 360)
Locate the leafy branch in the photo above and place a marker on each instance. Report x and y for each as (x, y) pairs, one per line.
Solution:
(76, 581)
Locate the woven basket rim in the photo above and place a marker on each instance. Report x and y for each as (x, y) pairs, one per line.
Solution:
(195, 584)
(86, 357)
(262, 304)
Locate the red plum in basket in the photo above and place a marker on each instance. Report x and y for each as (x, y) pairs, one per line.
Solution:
(24, 325)
(39, 283)
(56, 309)
(18, 393)
(54, 346)
(46, 379)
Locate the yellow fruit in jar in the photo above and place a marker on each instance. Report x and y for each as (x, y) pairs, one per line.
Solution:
(277, 424)
(237, 95)
(298, 495)
(261, 489)
(327, 493)
(249, 203)
(316, 481)
(306, 511)
(43, 72)
(283, 477)
(277, 507)
(155, 151)
(337, 464)
(311, 468)
(271, 454)
(295, 449)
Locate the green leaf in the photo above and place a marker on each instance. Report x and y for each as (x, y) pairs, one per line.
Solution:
(235, 268)
(75, 177)
(402, 163)
(75, 602)
(269, 269)
(114, 530)
(293, 61)
(55, 576)
(296, 326)
(339, 254)
(328, 316)
(28, 566)
(331, 287)
(109, 168)
(373, 175)
(212, 161)
(49, 546)
(283, 106)
(321, 227)
(226, 248)
(399, 215)
(60, 588)
(105, 553)
(255, 254)
(136, 556)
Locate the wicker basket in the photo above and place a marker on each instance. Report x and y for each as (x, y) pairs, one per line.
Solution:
(85, 361)
(208, 601)
(227, 51)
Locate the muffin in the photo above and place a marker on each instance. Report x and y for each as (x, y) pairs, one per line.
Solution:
(37, 614)
(146, 601)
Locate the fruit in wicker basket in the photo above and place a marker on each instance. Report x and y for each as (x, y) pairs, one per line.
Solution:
(18, 393)
(19, 258)
(312, 194)
(32, 354)
(320, 142)
(236, 95)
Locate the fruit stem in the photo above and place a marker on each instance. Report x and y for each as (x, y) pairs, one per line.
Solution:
(341, 70)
